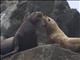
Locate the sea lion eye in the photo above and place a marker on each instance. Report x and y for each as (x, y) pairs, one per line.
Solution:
(48, 19)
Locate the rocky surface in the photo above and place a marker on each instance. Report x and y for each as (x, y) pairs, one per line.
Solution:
(45, 52)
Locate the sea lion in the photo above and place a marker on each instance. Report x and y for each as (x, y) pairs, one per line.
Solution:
(56, 35)
(25, 37)
(26, 34)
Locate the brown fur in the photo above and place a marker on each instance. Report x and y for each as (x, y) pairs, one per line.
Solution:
(56, 35)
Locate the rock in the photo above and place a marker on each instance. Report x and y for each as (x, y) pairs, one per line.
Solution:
(74, 24)
(67, 18)
(45, 52)
(7, 29)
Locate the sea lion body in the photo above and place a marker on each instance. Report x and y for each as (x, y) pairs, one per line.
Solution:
(26, 34)
(56, 35)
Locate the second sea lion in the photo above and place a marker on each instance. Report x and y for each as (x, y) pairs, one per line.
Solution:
(56, 35)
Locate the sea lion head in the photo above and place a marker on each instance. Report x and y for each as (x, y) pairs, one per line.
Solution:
(48, 23)
(47, 20)
(35, 17)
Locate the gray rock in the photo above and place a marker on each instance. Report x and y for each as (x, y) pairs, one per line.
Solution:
(45, 52)
(5, 17)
